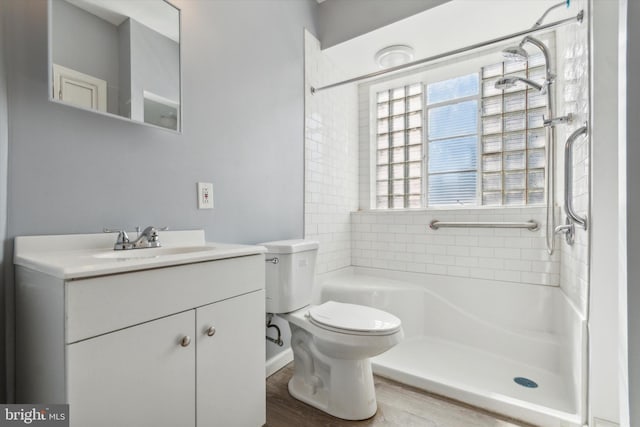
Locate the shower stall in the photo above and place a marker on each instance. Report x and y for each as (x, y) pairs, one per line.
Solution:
(493, 294)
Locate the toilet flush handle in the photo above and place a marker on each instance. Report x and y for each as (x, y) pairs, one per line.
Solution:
(273, 260)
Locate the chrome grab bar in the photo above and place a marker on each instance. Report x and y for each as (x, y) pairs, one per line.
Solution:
(529, 225)
(568, 177)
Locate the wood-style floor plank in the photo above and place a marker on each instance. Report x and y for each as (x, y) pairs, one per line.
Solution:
(398, 406)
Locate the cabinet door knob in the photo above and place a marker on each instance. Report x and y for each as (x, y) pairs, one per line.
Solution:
(211, 331)
(186, 340)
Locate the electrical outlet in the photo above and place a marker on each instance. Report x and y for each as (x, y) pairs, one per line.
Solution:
(205, 195)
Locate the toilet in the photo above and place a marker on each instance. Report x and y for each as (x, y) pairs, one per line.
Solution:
(332, 342)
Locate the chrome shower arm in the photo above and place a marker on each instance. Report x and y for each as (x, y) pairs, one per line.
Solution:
(507, 82)
(537, 43)
(544, 15)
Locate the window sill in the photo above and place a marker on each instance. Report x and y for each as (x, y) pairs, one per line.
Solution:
(451, 208)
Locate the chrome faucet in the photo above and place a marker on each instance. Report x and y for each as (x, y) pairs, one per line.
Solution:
(149, 238)
(569, 231)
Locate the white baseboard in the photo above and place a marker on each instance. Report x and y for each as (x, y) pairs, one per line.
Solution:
(278, 362)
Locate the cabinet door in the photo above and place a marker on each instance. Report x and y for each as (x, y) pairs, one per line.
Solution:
(139, 376)
(230, 363)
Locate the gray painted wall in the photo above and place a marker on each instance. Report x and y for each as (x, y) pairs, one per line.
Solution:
(633, 208)
(4, 137)
(154, 67)
(341, 20)
(243, 131)
(124, 68)
(83, 42)
(73, 171)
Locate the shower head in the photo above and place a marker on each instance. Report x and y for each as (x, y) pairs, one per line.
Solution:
(516, 53)
(508, 82)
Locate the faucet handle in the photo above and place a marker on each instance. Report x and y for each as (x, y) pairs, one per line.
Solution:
(151, 234)
(110, 230)
(122, 240)
(151, 229)
(154, 234)
(122, 234)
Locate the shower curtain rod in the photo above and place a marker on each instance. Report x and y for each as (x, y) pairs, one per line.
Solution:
(578, 18)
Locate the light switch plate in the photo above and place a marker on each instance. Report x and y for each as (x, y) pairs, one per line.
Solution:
(205, 195)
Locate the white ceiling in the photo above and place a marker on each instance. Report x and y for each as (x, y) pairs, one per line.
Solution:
(155, 14)
(443, 28)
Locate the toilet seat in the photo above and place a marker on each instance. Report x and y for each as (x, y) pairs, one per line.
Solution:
(353, 319)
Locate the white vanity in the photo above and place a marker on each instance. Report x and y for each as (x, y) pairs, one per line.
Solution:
(170, 336)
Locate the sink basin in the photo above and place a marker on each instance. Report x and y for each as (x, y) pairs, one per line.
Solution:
(78, 256)
(151, 252)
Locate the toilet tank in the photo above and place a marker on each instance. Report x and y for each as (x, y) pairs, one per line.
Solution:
(290, 279)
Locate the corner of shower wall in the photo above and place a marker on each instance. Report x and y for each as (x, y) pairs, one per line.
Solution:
(331, 159)
(573, 97)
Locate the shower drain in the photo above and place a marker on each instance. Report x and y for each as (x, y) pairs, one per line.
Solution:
(525, 382)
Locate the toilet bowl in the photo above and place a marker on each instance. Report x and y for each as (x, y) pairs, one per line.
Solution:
(332, 342)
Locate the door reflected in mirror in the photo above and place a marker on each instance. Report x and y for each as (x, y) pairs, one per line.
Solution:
(118, 58)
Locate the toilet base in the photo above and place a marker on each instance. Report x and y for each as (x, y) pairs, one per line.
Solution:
(350, 394)
(332, 370)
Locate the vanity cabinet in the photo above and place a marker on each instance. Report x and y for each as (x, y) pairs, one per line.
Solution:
(230, 382)
(171, 346)
(147, 373)
(138, 376)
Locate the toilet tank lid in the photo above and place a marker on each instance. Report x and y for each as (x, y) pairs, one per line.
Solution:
(290, 246)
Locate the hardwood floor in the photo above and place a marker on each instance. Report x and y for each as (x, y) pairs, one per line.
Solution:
(398, 406)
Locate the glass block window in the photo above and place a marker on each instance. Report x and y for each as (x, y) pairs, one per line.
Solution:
(399, 147)
(513, 135)
(452, 140)
(458, 140)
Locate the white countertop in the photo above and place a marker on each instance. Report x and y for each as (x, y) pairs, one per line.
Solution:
(76, 256)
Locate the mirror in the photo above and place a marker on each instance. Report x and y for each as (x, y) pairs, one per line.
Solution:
(117, 58)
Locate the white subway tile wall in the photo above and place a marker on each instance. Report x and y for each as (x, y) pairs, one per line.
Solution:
(365, 150)
(331, 160)
(338, 157)
(402, 240)
(573, 97)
